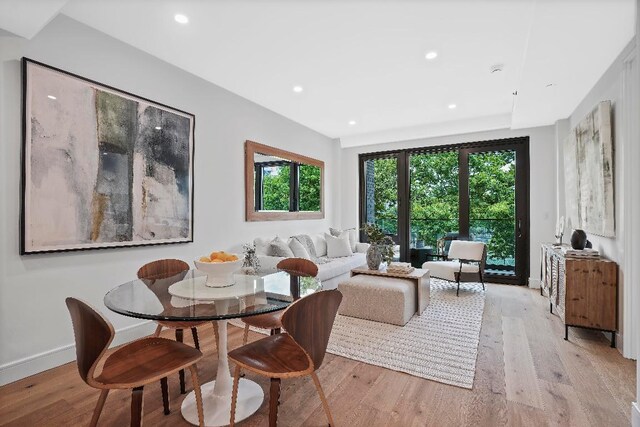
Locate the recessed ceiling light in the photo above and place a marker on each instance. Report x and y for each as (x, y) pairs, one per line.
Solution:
(431, 55)
(496, 68)
(452, 106)
(297, 89)
(158, 127)
(181, 19)
(51, 97)
(352, 122)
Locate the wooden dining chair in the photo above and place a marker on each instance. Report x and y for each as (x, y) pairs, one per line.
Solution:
(131, 366)
(162, 269)
(297, 352)
(297, 268)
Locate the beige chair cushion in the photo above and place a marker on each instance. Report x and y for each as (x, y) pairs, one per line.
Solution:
(462, 249)
(382, 299)
(446, 269)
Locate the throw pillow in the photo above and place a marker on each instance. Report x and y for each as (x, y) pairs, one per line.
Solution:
(320, 244)
(279, 248)
(338, 247)
(298, 249)
(262, 245)
(353, 236)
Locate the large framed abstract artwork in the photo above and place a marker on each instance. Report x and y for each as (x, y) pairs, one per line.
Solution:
(102, 168)
(588, 161)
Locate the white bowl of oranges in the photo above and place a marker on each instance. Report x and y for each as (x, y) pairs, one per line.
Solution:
(220, 267)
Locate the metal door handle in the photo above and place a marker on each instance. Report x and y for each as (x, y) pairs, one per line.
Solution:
(519, 228)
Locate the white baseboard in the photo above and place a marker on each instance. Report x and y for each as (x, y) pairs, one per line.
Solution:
(535, 283)
(635, 414)
(22, 368)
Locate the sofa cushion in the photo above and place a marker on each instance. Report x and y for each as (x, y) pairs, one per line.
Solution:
(446, 269)
(298, 249)
(340, 266)
(338, 247)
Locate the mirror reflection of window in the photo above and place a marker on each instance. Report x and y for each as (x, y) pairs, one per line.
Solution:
(276, 187)
(309, 185)
(285, 185)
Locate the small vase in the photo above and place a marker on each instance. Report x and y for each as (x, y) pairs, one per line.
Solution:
(578, 239)
(374, 257)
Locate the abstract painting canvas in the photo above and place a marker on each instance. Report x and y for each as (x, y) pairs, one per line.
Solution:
(101, 167)
(589, 173)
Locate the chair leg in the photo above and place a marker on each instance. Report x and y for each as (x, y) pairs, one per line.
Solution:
(137, 404)
(158, 330)
(274, 401)
(234, 396)
(165, 395)
(458, 291)
(245, 336)
(482, 281)
(180, 338)
(194, 333)
(196, 388)
(325, 404)
(99, 406)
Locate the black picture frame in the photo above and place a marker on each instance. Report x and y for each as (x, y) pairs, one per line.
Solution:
(25, 247)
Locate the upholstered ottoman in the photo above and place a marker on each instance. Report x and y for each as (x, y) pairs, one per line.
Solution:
(382, 299)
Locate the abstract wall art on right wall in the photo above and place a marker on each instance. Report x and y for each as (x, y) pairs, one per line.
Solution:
(588, 165)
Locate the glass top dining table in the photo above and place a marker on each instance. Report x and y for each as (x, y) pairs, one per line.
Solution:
(185, 297)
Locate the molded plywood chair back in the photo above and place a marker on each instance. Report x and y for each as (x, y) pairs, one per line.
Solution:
(93, 334)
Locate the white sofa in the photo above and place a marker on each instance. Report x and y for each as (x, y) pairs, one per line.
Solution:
(330, 273)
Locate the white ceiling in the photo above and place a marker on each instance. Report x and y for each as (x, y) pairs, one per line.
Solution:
(365, 60)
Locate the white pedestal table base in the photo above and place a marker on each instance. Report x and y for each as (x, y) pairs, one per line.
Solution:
(217, 410)
(216, 395)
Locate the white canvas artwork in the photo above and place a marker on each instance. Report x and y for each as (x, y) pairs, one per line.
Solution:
(102, 168)
(588, 165)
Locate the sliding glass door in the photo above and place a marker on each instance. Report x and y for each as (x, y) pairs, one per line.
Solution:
(380, 185)
(425, 198)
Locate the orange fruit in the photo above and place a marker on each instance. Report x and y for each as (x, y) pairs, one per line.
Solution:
(216, 255)
(232, 258)
(204, 259)
(216, 260)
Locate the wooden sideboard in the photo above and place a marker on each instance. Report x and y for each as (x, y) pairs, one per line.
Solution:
(582, 292)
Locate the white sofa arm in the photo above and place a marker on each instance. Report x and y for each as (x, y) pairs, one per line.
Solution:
(362, 247)
(268, 264)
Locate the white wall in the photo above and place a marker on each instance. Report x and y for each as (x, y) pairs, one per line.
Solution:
(610, 87)
(635, 233)
(35, 330)
(542, 157)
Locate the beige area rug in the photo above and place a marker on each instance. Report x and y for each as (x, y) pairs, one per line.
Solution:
(440, 345)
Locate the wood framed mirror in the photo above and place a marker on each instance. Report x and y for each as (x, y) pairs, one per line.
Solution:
(281, 185)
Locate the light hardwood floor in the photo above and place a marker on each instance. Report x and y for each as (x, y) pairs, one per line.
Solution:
(526, 375)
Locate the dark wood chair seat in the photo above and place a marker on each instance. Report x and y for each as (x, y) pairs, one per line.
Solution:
(153, 274)
(297, 268)
(132, 366)
(265, 321)
(145, 361)
(297, 352)
(274, 356)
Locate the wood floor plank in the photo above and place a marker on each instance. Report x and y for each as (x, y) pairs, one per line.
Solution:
(562, 405)
(520, 375)
(486, 405)
(520, 415)
(577, 380)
